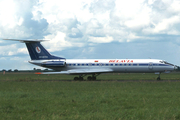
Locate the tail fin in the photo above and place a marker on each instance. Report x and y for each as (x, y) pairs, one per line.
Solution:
(36, 50)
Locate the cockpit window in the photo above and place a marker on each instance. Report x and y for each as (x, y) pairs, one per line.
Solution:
(161, 61)
(165, 62)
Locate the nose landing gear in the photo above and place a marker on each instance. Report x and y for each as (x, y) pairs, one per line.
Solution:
(159, 78)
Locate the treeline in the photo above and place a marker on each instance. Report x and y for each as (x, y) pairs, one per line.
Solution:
(34, 70)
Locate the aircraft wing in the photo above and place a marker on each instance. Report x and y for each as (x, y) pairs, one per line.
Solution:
(79, 71)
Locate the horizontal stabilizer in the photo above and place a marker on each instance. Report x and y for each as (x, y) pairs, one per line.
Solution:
(79, 71)
(36, 50)
(24, 41)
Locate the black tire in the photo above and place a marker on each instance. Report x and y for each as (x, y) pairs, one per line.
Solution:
(76, 78)
(89, 78)
(158, 78)
(93, 78)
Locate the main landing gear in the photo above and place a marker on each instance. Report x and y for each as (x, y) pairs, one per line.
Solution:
(80, 78)
(91, 78)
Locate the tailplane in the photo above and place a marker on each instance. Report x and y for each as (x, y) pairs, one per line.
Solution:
(36, 50)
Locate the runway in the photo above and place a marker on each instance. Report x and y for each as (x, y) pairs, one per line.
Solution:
(90, 81)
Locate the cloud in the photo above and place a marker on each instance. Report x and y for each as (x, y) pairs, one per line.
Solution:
(9, 50)
(57, 41)
(167, 26)
(89, 19)
(19, 63)
(16, 20)
(83, 19)
(101, 39)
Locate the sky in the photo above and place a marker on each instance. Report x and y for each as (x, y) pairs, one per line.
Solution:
(90, 29)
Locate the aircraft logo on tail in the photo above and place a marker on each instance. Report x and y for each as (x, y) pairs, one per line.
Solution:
(38, 50)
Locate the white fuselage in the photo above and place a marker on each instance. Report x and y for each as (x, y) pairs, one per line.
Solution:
(117, 65)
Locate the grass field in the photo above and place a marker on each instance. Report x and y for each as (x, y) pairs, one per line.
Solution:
(116, 76)
(80, 100)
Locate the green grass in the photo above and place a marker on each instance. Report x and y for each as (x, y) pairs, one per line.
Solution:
(113, 76)
(88, 100)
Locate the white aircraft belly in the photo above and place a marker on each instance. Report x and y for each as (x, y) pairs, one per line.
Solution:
(80, 71)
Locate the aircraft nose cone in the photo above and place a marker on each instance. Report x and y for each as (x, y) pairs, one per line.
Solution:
(176, 67)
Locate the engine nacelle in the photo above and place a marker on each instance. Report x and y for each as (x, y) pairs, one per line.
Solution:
(54, 64)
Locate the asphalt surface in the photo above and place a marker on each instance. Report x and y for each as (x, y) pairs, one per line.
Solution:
(93, 80)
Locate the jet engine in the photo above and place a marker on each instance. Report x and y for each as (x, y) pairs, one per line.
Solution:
(54, 64)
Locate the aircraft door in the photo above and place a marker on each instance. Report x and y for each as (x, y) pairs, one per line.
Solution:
(150, 66)
(90, 64)
(100, 64)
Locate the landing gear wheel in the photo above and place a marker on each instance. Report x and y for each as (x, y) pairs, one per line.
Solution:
(89, 78)
(93, 78)
(158, 78)
(76, 78)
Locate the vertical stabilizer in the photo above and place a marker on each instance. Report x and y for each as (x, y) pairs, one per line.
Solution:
(38, 52)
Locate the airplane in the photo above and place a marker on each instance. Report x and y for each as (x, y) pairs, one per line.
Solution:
(82, 67)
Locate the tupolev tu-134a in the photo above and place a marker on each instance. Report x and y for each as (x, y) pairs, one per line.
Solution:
(82, 67)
